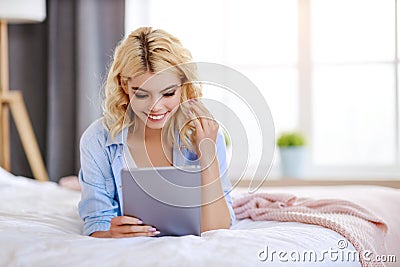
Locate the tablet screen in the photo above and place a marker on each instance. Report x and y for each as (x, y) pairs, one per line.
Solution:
(168, 198)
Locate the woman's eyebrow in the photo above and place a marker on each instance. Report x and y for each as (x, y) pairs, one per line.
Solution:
(168, 87)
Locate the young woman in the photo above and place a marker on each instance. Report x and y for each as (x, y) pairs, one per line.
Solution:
(152, 117)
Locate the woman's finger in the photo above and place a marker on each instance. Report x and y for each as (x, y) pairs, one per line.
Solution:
(200, 109)
(201, 118)
(122, 220)
(127, 229)
(132, 230)
(210, 122)
(206, 118)
(197, 125)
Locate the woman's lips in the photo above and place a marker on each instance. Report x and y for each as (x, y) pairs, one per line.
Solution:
(156, 117)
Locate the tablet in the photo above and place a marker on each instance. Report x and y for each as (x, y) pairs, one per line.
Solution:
(168, 198)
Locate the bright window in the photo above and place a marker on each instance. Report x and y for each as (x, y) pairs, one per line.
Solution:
(328, 68)
(353, 82)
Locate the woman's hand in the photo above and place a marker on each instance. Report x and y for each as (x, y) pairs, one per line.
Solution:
(126, 226)
(206, 132)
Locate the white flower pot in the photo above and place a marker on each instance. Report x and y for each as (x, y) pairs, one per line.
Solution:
(293, 160)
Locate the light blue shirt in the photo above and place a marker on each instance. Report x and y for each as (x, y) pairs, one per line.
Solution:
(102, 159)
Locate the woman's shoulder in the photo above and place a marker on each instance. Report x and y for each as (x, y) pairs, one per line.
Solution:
(96, 132)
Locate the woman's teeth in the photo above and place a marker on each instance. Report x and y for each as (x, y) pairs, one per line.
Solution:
(159, 117)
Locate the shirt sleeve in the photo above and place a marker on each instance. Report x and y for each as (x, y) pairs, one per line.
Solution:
(223, 166)
(97, 206)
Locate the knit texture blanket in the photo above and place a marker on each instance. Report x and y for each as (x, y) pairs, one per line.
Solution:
(358, 225)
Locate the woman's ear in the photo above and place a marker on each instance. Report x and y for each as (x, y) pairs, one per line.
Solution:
(123, 84)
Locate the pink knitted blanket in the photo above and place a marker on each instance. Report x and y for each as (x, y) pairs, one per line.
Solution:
(358, 225)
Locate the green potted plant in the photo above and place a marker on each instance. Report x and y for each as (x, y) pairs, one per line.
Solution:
(292, 153)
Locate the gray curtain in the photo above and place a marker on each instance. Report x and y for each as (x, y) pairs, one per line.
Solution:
(61, 65)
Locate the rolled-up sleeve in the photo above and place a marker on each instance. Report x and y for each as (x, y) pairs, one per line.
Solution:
(223, 166)
(97, 206)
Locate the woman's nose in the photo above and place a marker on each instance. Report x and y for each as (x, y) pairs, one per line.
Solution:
(157, 105)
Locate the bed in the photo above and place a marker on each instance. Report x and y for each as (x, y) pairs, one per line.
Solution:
(40, 226)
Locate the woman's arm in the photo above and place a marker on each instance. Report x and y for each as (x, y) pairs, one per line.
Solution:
(99, 208)
(215, 211)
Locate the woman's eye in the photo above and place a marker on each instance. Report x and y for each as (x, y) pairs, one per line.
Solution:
(140, 96)
(169, 94)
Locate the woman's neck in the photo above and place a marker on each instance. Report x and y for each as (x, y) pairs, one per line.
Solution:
(152, 134)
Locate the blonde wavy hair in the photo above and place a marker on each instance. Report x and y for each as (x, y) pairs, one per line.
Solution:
(149, 50)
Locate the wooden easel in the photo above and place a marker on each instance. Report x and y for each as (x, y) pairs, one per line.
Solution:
(13, 100)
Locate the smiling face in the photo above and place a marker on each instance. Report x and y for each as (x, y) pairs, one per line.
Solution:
(154, 98)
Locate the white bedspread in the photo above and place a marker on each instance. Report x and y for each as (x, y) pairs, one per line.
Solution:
(39, 226)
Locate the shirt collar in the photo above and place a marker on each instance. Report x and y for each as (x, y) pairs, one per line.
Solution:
(119, 139)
